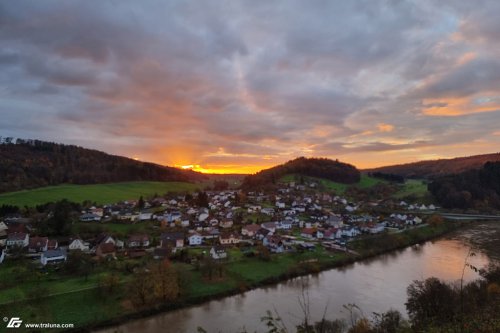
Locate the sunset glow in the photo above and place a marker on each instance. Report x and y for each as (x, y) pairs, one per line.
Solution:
(236, 88)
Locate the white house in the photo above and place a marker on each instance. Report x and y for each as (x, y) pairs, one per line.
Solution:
(195, 239)
(53, 256)
(145, 216)
(218, 252)
(350, 231)
(78, 244)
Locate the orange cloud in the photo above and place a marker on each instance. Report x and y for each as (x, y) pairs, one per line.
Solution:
(460, 106)
(385, 127)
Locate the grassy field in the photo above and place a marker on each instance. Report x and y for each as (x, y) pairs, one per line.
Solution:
(365, 182)
(100, 193)
(412, 187)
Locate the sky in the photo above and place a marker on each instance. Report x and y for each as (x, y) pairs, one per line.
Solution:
(237, 86)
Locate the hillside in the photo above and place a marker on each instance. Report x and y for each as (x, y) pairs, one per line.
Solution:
(314, 167)
(426, 169)
(33, 163)
(98, 193)
(479, 189)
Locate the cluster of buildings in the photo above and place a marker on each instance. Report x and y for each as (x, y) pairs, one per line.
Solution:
(294, 216)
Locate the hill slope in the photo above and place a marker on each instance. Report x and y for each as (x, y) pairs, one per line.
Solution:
(31, 164)
(315, 167)
(98, 193)
(478, 189)
(426, 169)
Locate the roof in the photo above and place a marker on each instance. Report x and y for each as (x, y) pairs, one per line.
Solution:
(54, 253)
(138, 238)
(38, 241)
(229, 235)
(107, 247)
(252, 227)
(17, 236)
(166, 236)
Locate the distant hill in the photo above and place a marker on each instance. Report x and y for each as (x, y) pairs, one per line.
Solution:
(427, 169)
(33, 163)
(477, 188)
(315, 167)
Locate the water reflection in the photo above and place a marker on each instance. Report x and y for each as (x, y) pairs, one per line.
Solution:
(375, 285)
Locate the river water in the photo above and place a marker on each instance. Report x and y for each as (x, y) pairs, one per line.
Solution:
(374, 285)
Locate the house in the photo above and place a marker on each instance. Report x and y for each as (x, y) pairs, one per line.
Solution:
(308, 233)
(38, 244)
(17, 239)
(3, 233)
(320, 234)
(230, 238)
(267, 211)
(78, 244)
(138, 240)
(376, 228)
(334, 221)
(172, 239)
(89, 217)
(350, 231)
(218, 252)
(105, 250)
(250, 230)
(195, 239)
(332, 233)
(271, 226)
(53, 256)
(145, 216)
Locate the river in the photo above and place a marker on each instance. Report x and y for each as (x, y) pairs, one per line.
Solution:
(374, 285)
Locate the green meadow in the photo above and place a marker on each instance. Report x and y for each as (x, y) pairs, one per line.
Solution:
(412, 187)
(99, 193)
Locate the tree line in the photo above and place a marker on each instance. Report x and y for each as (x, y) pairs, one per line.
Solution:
(38, 163)
(476, 189)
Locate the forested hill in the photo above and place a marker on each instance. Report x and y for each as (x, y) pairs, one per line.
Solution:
(427, 169)
(315, 167)
(478, 189)
(34, 163)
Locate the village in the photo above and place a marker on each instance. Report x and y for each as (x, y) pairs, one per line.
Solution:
(296, 217)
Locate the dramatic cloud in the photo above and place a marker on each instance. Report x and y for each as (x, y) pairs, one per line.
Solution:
(240, 85)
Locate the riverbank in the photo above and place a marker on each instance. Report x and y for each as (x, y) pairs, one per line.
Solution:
(246, 274)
